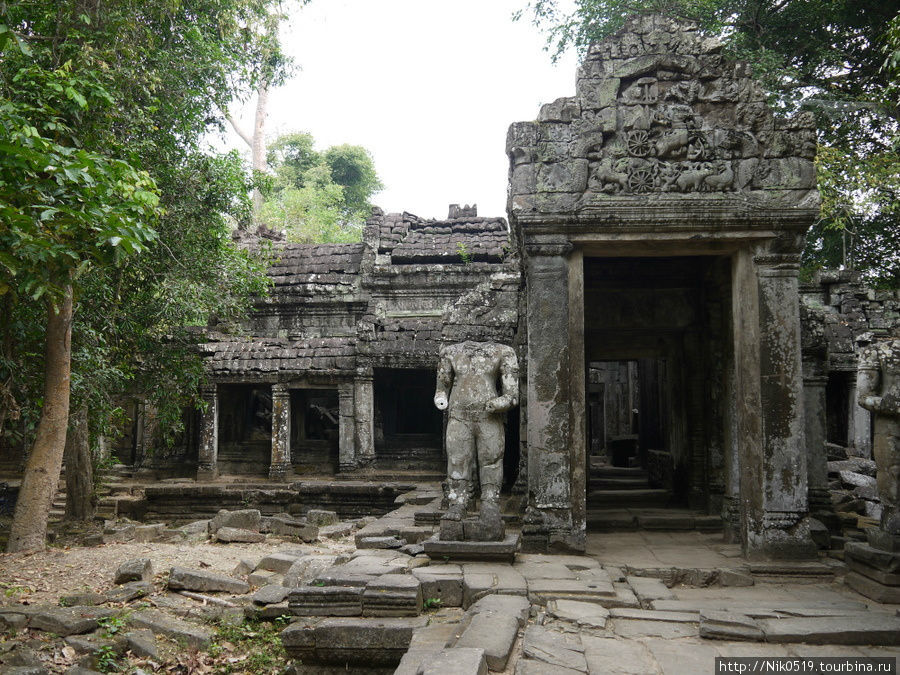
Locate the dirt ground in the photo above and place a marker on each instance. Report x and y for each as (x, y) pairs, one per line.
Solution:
(45, 576)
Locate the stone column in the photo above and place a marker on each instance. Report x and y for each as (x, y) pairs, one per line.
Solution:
(346, 428)
(364, 408)
(774, 507)
(816, 456)
(548, 522)
(859, 424)
(280, 468)
(207, 453)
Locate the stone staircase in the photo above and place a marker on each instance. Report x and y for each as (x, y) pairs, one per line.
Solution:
(622, 499)
(116, 482)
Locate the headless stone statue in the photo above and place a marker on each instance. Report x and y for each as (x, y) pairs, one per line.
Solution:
(467, 387)
(878, 385)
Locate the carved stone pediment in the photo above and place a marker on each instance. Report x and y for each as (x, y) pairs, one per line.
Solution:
(661, 120)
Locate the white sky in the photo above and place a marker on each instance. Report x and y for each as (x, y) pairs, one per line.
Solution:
(428, 87)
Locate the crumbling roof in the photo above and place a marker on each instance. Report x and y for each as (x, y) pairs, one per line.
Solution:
(306, 269)
(401, 336)
(269, 355)
(459, 240)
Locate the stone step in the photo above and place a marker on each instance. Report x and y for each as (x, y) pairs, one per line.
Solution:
(618, 483)
(608, 471)
(629, 498)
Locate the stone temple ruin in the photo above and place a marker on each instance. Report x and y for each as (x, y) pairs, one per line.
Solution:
(673, 371)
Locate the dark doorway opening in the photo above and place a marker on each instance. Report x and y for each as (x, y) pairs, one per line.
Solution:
(315, 430)
(245, 428)
(408, 427)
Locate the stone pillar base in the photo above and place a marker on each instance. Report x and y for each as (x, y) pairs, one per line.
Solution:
(345, 467)
(280, 471)
(550, 531)
(207, 472)
(731, 519)
(784, 536)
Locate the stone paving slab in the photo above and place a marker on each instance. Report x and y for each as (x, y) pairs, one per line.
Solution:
(614, 656)
(457, 661)
(444, 585)
(585, 615)
(493, 633)
(639, 628)
(556, 649)
(648, 589)
(716, 625)
(873, 628)
(176, 629)
(649, 614)
(682, 657)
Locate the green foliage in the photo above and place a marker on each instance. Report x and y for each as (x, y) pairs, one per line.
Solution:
(255, 647)
(107, 659)
(104, 109)
(839, 59)
(433, 603)
(114, 624)
(464, 254)
(318, 197)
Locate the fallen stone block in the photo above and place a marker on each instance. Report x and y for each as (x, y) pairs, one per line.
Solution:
(715, 625)
(516, 606)
(176, 629)
(871, 588)
(261, 578)
(870, 628)
(270, 595)
(457, 661)
(130, 591)
(588, 590)
(648, 589)
(586, 615)
(244, 519)
(279, 562)
(307, 568)
(380, 542)
(286, 526)
(151, 532)
(492, 632)
(321, 517)
(392, 595)
(227, 535)
(181, 578)
(88, 599)
(142, 643)
(441, 582)
(243, 568)
(65, 621)
(325, 600)
(728, 577)
(139, 569)
(555, 649)
(338, 531)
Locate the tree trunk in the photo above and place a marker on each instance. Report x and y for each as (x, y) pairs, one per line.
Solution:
(79, 469)
(29, 525)
(258, 147)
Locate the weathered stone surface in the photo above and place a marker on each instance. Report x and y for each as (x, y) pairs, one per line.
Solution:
(380, 542)
(243, 568)
(65, 620)
(149, 532)
(244, 519)
(645, 628)
(392, 595)
(735, 578)
(442, 582)
(279, 562)
(494, 633)
(587, 615)
(130, 591)
(336, 531)
(457, 661)
(260, 578)
(176, 629)
(589, 590)
(528, 667)
(516, 606)
(290, 527)
(270, 595)
(648, 589)
(87, 598)
(872, 628)
(729, 626)
(326, 600)
(228, 535)
(307, 568)
(652, 615)
(321, 517)
(886, 561)
(555, 649)
(872, 588)
(139, 569)
(181, 578)
(340, 641)
(142, 643)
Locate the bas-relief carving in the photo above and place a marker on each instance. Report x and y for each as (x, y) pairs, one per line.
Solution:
(467, 378)
(878, 387)
(662, 112)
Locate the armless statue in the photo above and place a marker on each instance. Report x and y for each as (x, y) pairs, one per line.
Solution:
(467, 386)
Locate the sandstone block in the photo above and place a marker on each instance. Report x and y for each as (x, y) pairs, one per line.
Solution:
(321, 517)
(325, 600)
(163, 624)
(456, 661)
(237, 535)
(139, 569)
(182, 578)
(494, 633)
(716, 625)
(393, 595)
(244, 519)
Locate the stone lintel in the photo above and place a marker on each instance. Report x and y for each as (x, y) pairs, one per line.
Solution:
(484, 551)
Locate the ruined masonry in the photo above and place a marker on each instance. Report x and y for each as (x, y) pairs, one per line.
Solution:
(647, 281)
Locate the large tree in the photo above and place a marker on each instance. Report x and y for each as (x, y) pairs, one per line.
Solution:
(318, 197)
(827, 56)
(104, 111)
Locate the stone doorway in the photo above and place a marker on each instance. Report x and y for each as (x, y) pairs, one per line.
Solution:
(656, 335)
(315, 432)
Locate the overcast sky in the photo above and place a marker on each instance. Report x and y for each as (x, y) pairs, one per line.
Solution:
(428, 87)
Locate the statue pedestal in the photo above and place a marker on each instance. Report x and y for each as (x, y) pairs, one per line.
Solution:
(472, 529)
(481, 551)
(875, 567)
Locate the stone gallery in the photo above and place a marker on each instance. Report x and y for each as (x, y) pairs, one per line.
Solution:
(632, 348)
